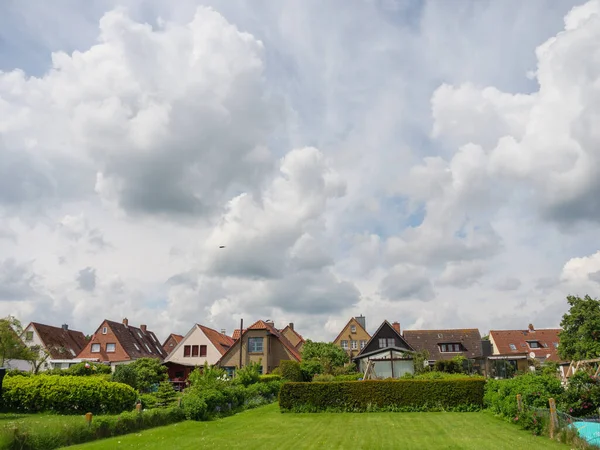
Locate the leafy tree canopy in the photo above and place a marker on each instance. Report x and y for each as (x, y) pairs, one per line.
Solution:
(149, 371)
(580, 335)
(327, 353)
(11, 346)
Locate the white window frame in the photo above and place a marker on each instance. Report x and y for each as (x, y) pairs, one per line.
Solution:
(137, 347)
(354, 344)
(148, 347)
(114, 347)
(252, 345)
(104, 330)
(95, 346)
(73, 352)
(352, 328)
(512, 346)
(344, 344)
(363, 344)
(382, 343)
(391, 342)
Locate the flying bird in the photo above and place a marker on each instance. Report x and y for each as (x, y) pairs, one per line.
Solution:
(221, 246)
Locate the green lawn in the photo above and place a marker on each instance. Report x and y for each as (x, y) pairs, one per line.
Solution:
(266, 427)
(9, 420)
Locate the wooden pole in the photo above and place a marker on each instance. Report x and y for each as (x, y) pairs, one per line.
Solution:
(241, 331)
(553, 417)
(519, 403)
(88, 418)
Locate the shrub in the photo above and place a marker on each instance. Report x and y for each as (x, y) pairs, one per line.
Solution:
(194, 407)
(269, 377)
(582, 396)
(149, 401)
(324, 377)
(208, 376)
(86, 369)
(501, 395)
(149, 373)
(291, 371)
(17, 373)
(126, 374)
(66, 395)
(165, 395)
(456, 394)
(309, 369)
(448, 366)
(248, 374)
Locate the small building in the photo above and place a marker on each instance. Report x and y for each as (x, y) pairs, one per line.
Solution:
(354, 336)
(293, 336)
(448, 343)
(512, 350)
(199, 346)
(388, 351)
(260, 343)
(58, 347)
(171, 342)
(120, 343)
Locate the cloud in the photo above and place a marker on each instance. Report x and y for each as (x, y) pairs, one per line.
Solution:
(17, 281)
(462, 274)
(406, 281)
(508, 284)
(86, 279)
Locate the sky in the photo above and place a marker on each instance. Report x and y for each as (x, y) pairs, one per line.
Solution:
(433, 163)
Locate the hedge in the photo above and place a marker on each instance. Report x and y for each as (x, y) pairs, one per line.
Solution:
(290, 370)
(66, 395)
(28, 436)
(416, 395)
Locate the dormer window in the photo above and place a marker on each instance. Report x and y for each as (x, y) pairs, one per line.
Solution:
(534, 344)
(353, 329)
(512, 346)
(450, 348)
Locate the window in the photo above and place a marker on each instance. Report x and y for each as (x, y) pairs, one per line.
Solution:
(512, 346)
(95, 348)
(345, 345)
(203, 350)
(533, 344)
(29, 336)
(555, 344)
(391, 342)
(362, 344)
(450, 348)
(354, 345)
(187, 350)
(194, 350)
(104, 330)
(353, 329)
(382, 342)
(137, 347)
(230, 371)
(73, 352)
(110, 348)
(255, 344)
(148, 348)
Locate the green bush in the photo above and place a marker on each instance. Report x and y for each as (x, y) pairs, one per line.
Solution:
(66, 395)
(310, 368)
(455, 394)
(86, 369)
(17, 373)
(149, 373)
(582, 396)
(24, 436)
(149, 401)
(165, 395)
(291, 371)
(449, 366)
(501, 395)
(126, 374)
(249, 374)
(325, 377)
(269, 377)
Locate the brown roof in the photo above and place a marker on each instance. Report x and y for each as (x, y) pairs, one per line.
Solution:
(236, 334)
(430, 340)
(221, 341)
(130, 336)
(547, 338)
(60, 343)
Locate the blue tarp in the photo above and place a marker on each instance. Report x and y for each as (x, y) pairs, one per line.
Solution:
(590, 431)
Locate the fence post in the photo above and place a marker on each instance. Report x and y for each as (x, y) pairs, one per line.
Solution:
(88, 418)
(519, 403)
(553, 417)
(138, 407)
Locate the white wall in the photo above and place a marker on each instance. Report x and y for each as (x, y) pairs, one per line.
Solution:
(35, 341)
(195, 337)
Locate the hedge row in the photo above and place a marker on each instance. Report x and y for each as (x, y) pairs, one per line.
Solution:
(66, 395)
(456, 394)
(26, 436)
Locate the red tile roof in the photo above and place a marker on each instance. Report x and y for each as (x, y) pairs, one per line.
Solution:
(221, 341)
(547, 339)
(236, 334)
(60, 343)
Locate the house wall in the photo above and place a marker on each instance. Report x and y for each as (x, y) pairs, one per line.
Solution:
(118, 356)
(170, 344)
(273, 352)
(386, 332)
(197, 337)
(34, 341)
(346, 334)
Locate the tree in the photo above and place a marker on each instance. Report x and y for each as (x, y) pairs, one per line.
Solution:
(580, 335)
(421, 361)
(149, 372)
(11, 346)
(125, 373)
(327, 354)
(38, 357)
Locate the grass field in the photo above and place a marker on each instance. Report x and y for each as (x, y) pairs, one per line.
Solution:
(9, 420)
(266, 427)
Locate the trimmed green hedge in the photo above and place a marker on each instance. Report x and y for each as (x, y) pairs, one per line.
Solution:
(66, 395)
(417, 395)
(31, 436)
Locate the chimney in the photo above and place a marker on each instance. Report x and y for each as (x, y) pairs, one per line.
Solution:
(531, 329)
(291, 325)
(396, 326)
(362, 320)
(143, 328)
(223, 331)
(125, 321)
(65, 327)
(269, 321)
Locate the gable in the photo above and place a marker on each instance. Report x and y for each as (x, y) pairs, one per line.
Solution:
(346, 333)
(59, 343)
(386, 331)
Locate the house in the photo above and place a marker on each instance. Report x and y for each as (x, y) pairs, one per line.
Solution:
(171, 342)
(120, 343)
(200, 345)
(446, 344)
(390, 354)
(293, 336)
(260, 343)
(58, 346)
(511, 349)
(354, 336)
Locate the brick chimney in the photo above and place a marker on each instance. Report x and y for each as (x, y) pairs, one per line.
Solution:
(125, 321)
(396, 326)
(143, 328)
(531, 329)
(65, 327)
(223, 331)
(291, 325)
